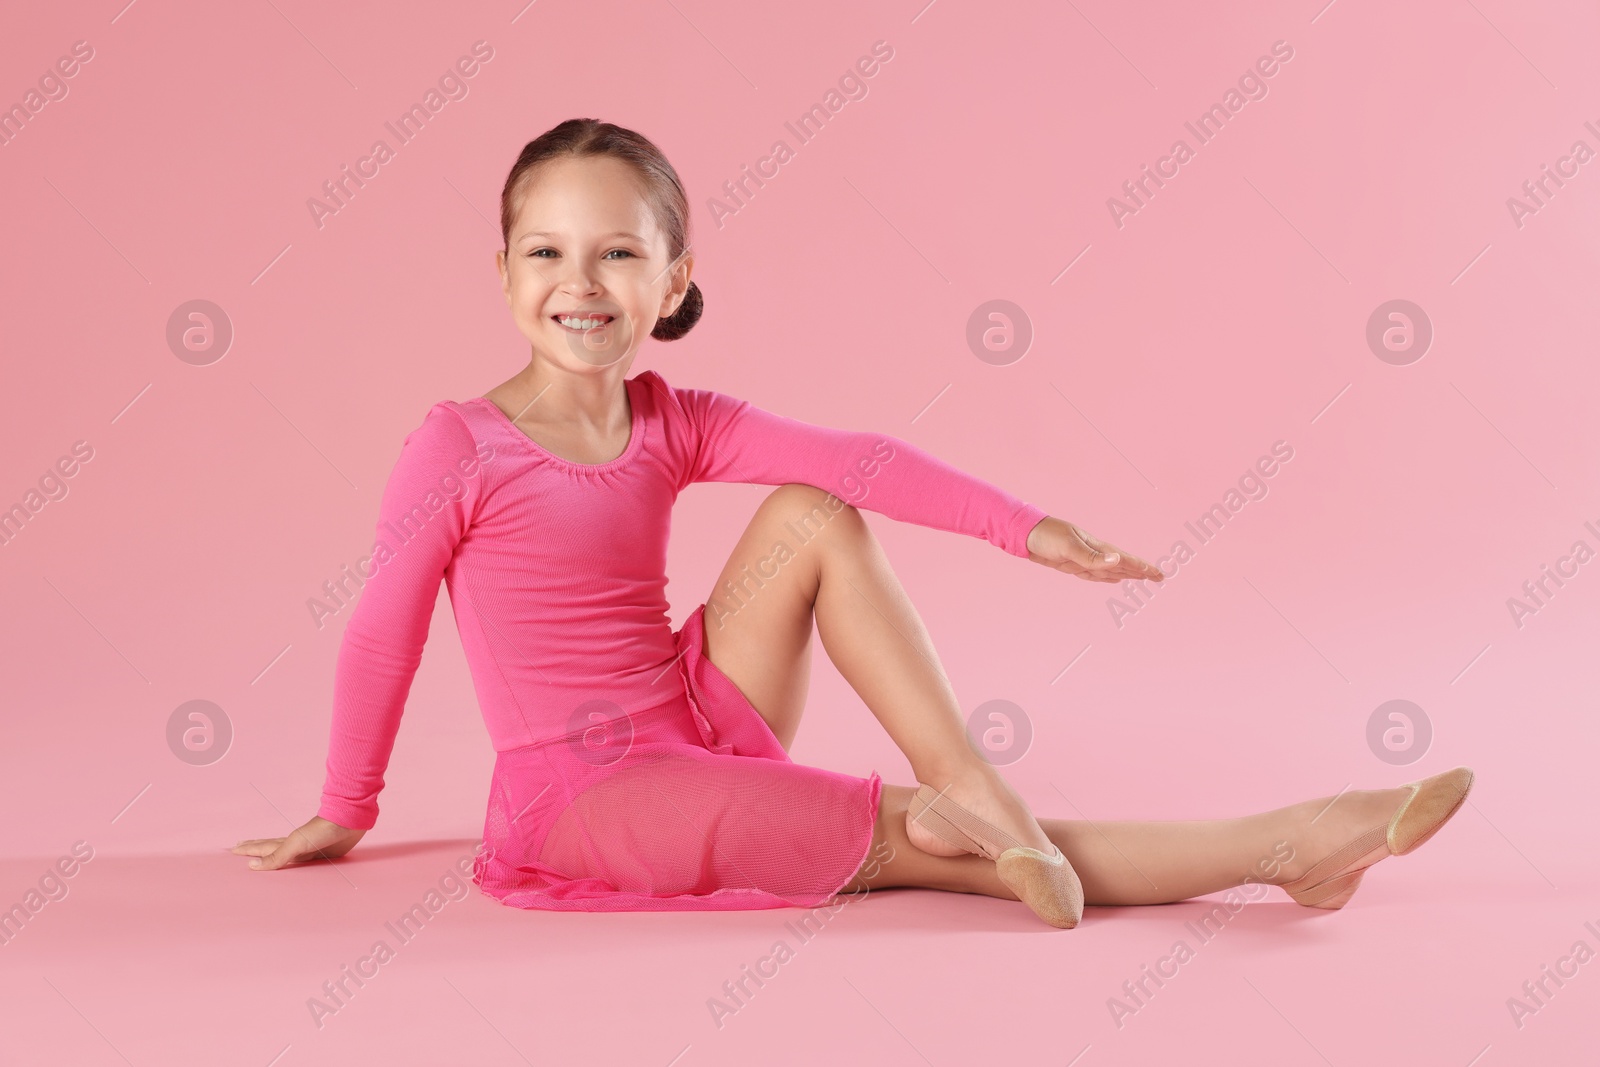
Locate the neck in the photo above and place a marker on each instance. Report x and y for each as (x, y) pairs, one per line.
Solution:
(549, 394)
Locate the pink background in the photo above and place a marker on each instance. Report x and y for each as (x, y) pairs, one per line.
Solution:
(1222, 317)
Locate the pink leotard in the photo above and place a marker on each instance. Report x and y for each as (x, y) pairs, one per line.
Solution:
(630, 772)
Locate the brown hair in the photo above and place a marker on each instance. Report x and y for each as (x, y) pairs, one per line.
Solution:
(591, 137)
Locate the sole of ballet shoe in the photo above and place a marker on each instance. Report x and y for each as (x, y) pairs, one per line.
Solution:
(1331, 883)
(1333, 894)
(1046, 883)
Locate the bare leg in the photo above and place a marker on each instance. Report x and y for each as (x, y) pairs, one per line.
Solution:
(803, 557)
(758, 628)
(1127, 863)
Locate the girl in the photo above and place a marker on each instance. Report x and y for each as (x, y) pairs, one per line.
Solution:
(641, 768)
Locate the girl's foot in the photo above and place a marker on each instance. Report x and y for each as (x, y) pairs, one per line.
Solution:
(978, 812)
(1329, 862)
(1315, 828)
(983, 792)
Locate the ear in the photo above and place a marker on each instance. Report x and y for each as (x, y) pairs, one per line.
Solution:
(679, 286)
(505, 276)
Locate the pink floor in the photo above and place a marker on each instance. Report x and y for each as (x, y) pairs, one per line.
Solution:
(185, 959)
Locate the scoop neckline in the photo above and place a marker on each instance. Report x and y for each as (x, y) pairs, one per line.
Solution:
(635, 434)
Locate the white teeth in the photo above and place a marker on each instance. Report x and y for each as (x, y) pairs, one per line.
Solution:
(582, 324)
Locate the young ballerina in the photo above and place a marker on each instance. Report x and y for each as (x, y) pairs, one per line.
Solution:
(642, 768)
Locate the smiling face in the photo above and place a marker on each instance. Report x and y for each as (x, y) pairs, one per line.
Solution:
(587, 271)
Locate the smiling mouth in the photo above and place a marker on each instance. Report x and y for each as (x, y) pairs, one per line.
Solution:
(581, 323)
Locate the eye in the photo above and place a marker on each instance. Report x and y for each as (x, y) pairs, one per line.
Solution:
(536, 251)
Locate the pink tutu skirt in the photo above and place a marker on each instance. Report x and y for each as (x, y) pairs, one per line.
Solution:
(692, 805)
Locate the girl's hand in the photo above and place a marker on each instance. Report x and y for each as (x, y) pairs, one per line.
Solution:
(1062, 546)
(317, 839)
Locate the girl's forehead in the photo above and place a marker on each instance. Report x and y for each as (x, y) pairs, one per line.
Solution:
(563, 197)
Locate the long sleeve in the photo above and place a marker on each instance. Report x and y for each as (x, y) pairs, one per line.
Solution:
(427, 506)
(743, 443)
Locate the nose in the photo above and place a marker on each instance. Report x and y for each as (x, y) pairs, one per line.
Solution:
(578, 277)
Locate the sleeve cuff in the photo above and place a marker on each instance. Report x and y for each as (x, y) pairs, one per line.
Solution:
(346, 814)
(1022, 524)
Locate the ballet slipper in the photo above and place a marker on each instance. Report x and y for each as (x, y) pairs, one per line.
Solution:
(1333, 880)
(1045, 882)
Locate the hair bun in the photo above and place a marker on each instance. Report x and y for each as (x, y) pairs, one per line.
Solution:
(681, 321)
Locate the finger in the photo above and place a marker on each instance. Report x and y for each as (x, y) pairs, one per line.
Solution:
(278, 857)
(1095, 552)
(257, 848)
(273, 841)
(1143, 568)
(1087, 554)
(296, 847)
(1117, 572)
(1102, 557)
(1136, 568)
(1131, 566)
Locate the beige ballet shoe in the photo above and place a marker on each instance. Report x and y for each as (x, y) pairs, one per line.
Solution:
(1046, 883)
(1334, 879)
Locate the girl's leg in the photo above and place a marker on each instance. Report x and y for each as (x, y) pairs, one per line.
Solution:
(804, 557)
(1122, 863)
(808, 555)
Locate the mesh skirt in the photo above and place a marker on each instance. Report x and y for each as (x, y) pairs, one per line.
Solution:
(692, 805)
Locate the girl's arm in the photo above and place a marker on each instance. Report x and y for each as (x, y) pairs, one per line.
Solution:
(427, 505)
(739, 442)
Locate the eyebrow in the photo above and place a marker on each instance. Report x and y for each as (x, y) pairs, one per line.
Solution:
(614, 233)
